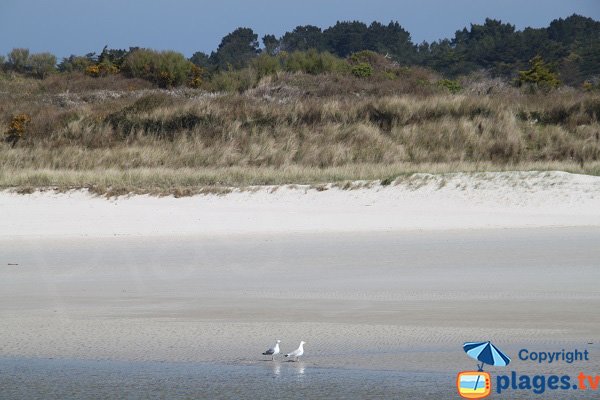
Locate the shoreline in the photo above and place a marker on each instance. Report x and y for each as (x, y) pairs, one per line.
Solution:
(420, 202)
(217, 278)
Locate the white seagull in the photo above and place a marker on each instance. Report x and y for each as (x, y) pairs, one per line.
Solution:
(297, 353)
(273, 351)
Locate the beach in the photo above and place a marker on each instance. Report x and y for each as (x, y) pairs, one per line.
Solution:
(380, 278)
(413, 202)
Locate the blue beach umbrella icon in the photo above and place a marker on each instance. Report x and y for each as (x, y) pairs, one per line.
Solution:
(486, 353)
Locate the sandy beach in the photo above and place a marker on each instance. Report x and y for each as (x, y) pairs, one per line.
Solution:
(403, 301)
(393, 277)
(416, 202)
(379, 278)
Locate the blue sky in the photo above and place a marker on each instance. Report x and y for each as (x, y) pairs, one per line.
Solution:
(66, 27)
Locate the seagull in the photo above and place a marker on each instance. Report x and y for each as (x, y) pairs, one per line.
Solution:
(297, 353)
(273, 351)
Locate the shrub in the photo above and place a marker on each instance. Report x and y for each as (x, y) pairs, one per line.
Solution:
(102, 69)
(42, 64)
(197, 75)
(17, 128)
(362, 70)
(377, 61)
(313, 62)
(74, 63)
(590, 85)
(538, 76)
(266, 65)
(18, 59)
(234, 81)
(452, 86)
(93, 70)
(165, 68)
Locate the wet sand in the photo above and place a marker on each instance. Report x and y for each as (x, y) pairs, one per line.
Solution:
(403, 301)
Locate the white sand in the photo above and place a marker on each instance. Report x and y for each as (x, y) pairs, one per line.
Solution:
(207, 278)
(454, 201)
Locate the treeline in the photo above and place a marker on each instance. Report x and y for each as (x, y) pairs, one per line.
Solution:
(569, 48)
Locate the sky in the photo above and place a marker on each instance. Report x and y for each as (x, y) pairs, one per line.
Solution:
(65, 27)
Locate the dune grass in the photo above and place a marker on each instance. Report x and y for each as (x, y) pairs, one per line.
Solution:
(189, 181)
(146, 140)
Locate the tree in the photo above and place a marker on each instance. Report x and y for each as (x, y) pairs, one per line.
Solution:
(302, 38)
(390, 40)
(18, 59)
(114, 57)
(200, 59)
(345, 38)
(271, 44)
(488, 45)
(42, 64)
(74, 63)
(236, 49)
(538, 76)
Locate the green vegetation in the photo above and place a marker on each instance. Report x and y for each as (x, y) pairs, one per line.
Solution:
(348, 102)
(292, 128)
(570, 46)
(538, 76)
(165, 68)
(362, 70)
(452, 86)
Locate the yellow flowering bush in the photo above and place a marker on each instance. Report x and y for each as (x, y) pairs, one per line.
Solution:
(17, 128)
(103, 69)
(93, 70)
(196, 76)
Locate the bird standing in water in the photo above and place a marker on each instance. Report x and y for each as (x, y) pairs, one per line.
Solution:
(296, 353)
(273, 351)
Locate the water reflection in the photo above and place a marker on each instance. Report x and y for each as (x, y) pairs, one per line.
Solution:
(276, 369)
(80, 379)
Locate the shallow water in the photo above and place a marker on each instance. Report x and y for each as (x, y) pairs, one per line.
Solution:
(86, 379)
(78, 379)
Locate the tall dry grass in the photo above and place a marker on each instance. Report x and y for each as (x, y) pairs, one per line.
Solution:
(146, 139)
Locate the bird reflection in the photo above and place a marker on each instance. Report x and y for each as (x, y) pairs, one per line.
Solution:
(301, 368)
(277, 369)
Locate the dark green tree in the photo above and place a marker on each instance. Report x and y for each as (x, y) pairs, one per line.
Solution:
(302, 38)
(114, 57)
(345, 38)
(487, 46)
(236, 49)
(201, 60)
(271, 44)
(391, 40)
